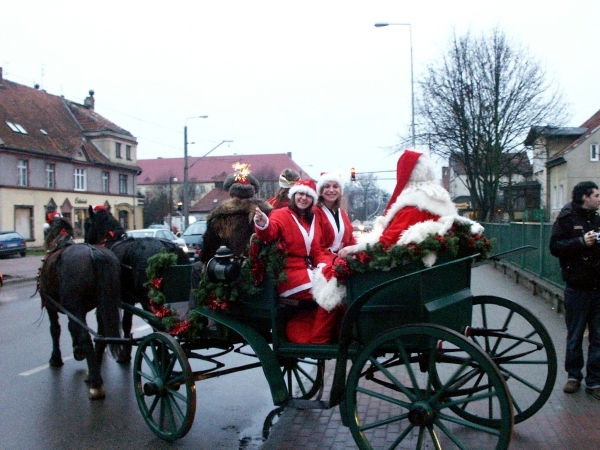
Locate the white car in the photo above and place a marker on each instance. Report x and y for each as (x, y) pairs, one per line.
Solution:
(160, 234)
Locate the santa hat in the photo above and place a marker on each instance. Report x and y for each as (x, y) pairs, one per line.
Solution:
(50, 216)
(412, 167)
(305, 187)
(241, 184)
(99, 208)
(288, 178)
(332, 176)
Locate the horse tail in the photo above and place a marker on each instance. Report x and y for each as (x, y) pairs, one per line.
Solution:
(108, 271)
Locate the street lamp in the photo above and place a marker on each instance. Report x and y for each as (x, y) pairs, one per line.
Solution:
(185, 171)
(412, 80)
(186, 205)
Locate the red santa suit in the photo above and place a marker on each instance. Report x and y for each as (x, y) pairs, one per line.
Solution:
(301, 241)
(418, 207)
(332, 238)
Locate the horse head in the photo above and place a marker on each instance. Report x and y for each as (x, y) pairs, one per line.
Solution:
(101, 227)
(59, 230)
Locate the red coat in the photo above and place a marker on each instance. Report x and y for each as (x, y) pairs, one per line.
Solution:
(332, 239)
(407, 216)
(300, 240)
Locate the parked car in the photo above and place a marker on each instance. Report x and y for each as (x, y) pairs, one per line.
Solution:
(193, 236)
(160, 234)
(12, 243)
(160, 226)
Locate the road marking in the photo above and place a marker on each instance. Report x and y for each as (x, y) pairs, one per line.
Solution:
(40, 368)
(46, 366)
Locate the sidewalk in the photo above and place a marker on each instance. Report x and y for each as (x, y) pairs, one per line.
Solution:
(565, 422)
(17, 269)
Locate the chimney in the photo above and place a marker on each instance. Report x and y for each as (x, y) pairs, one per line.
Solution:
(89, 101)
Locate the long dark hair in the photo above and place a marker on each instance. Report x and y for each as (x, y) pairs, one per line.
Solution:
(307, 213)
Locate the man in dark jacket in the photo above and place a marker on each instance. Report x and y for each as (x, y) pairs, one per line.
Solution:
(575, 242)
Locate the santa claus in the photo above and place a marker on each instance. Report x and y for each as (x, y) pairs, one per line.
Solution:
(418, 208)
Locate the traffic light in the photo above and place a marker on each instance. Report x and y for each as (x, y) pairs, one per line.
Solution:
(353, 174)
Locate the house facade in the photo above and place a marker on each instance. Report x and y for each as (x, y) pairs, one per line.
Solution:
(58, 155)
(563, 157)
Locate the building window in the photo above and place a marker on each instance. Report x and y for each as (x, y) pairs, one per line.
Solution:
(16, 127)
(80, 181)
(104, 181)
(561, 196)
(118, 150)
(22, 167)
(122, 184)
(594, 152)
(554, 198)
(50, 176)
(128, 152)
(202, 189)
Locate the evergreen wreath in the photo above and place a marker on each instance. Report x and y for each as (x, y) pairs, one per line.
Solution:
(458, 242)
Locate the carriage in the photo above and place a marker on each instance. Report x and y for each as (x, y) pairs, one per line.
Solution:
(439, 365)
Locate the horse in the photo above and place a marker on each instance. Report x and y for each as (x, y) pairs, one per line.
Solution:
(103, 229)
(77, 278)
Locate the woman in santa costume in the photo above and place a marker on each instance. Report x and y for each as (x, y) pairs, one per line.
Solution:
(287, 179)
(298, 231)
(418, 207)
(336, 228)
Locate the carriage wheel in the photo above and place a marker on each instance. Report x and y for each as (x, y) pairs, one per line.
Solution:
(402, 391)
(164, 386)
(303, 377)
(522, 349)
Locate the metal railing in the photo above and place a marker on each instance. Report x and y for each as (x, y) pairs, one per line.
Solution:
(539, 262)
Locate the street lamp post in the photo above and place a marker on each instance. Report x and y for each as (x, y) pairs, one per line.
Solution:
(185, 172)
(186, 205)
(412, 80)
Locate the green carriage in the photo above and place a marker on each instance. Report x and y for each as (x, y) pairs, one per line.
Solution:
(445, 367)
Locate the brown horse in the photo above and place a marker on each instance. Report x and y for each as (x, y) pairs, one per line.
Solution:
(103, 229)
(78, 278)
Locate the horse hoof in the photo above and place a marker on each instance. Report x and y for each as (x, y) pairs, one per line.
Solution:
(78, 354)
(97, 393)
(56, 362)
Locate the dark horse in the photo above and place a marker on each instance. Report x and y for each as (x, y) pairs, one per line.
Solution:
(103, 229)
(79, 278)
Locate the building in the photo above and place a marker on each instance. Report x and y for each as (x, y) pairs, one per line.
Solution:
(58, 155)
(206, 177)
(564, 156)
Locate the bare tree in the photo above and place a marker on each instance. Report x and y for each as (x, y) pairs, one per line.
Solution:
(366, 199)
(477, 103)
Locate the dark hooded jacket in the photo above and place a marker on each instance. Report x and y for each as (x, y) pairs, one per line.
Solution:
(231, 224)
(579, 264)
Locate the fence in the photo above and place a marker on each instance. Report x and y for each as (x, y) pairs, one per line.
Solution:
(539, 262)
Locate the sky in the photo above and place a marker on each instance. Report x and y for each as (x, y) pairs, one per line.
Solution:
(314, 78)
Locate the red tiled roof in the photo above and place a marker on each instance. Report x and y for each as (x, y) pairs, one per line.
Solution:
(210, 201)
(591, 124)
(212, 169)
(64, 124)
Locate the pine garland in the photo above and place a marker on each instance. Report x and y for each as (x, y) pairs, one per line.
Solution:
(458, 242)
(264, 260)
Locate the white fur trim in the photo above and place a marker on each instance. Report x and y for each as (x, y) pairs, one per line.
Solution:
(330, 177)
(303, 189)
(430, 259)
(424, 170)
(328, 294)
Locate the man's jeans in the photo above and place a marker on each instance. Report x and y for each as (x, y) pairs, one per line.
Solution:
(583, 308)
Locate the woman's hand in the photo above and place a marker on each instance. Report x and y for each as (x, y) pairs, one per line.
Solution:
(260, 218)
(347, 251)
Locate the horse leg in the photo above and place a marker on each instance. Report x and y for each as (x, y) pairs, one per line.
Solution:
(78, 349)
(56, 357)
(125, 351)
(84, 345)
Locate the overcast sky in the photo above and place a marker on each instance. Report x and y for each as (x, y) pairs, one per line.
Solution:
(314, 78)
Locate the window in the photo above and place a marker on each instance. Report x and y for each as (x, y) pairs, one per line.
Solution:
(50, 176)
(122, 184)
(104, 181)
(118, 150)
(80, 182)
(561, 196)
(16, 127)
(554, 198)
(128, 152)
(22, 169)
(594, 152)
